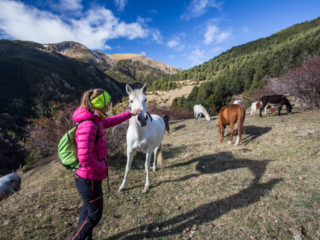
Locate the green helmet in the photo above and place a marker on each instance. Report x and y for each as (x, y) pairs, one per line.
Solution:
(101, 101)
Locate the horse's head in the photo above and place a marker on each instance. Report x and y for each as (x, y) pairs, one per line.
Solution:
(289, 108)
(137, 99)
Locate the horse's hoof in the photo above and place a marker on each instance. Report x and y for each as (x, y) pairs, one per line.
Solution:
(229, 142)
(154, 169)
(145, 190)
(120, 189)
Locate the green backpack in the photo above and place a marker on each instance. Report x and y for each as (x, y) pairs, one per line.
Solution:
(67, 148)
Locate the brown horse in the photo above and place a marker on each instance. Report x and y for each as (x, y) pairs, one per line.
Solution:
(230, 115)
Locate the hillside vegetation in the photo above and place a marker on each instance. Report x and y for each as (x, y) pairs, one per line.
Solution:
(248, 66)
(267, 188)
(31, 78)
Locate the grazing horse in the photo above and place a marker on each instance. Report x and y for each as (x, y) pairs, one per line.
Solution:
(275, 100)
(166, 121)
(257, 105)
(145, 133)
(230, 115)
(254, 108)
(198, 109)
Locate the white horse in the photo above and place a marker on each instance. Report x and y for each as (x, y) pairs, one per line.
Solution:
(198, 109)
(255, 106)
(145, 133)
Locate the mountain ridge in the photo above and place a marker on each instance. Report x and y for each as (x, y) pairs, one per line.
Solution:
(128, 67)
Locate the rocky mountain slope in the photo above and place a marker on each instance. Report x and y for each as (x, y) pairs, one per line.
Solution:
(122, 67)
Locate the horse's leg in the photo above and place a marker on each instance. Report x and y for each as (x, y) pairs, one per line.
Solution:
(147, 166)
(279, 109)
(221, 127)
(240, 131)
(231, 132)
(130, 153)
(155, 154)
(262, 107)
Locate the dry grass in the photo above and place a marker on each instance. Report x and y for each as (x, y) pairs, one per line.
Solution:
(165, 98)
(268, 188)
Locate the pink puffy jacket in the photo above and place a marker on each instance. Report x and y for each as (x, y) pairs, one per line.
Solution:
(91, 155)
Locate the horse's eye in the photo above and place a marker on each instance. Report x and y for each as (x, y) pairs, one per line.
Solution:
(145, 100)
(131, 101)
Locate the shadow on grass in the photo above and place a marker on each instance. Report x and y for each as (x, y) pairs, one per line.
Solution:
(221, 162)
(177, 128)
(208, 212)
(139, 160)
(200, 215)
(251, 133)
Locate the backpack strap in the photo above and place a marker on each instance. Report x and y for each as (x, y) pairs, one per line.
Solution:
(97, 134)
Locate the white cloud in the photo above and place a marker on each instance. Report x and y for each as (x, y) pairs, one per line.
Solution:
(143, 53)
(70, 5)
(197, 8)
(223, 36)
(214, 34)
(120, 4)
(156, 35)
(93, 29)
(175, 42)
(197, 56)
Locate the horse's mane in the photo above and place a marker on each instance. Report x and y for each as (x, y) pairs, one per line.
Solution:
(204, 111)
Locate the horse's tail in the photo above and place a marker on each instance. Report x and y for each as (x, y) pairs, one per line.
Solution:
(159, 157)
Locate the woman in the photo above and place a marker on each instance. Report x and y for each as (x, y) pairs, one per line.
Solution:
(92, 149)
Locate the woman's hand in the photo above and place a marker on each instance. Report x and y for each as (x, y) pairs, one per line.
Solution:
(135, 112)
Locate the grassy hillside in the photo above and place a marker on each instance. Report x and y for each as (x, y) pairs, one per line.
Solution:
(248, 66)
(266, 188)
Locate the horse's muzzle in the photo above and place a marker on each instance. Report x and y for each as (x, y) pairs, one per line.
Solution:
(143, 119)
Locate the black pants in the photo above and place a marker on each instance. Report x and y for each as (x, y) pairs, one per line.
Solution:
(92, 206)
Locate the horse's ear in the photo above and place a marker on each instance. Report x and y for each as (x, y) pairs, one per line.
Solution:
(128, 89)
(144, 88)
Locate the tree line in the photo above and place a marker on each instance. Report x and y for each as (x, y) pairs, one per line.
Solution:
(247, 67)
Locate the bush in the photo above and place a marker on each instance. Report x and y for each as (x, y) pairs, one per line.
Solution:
(12, 153)
(44, 134)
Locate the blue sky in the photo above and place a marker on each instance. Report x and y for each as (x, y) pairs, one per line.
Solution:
(181, 33)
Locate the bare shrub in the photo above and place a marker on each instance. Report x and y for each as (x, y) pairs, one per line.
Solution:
(116, 140)
(156, 109)
(43, 134)
(11, 151)
(302, 82)
(181, 114)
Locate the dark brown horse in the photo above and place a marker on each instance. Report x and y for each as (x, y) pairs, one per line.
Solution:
(230, 115)
(275, 100)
